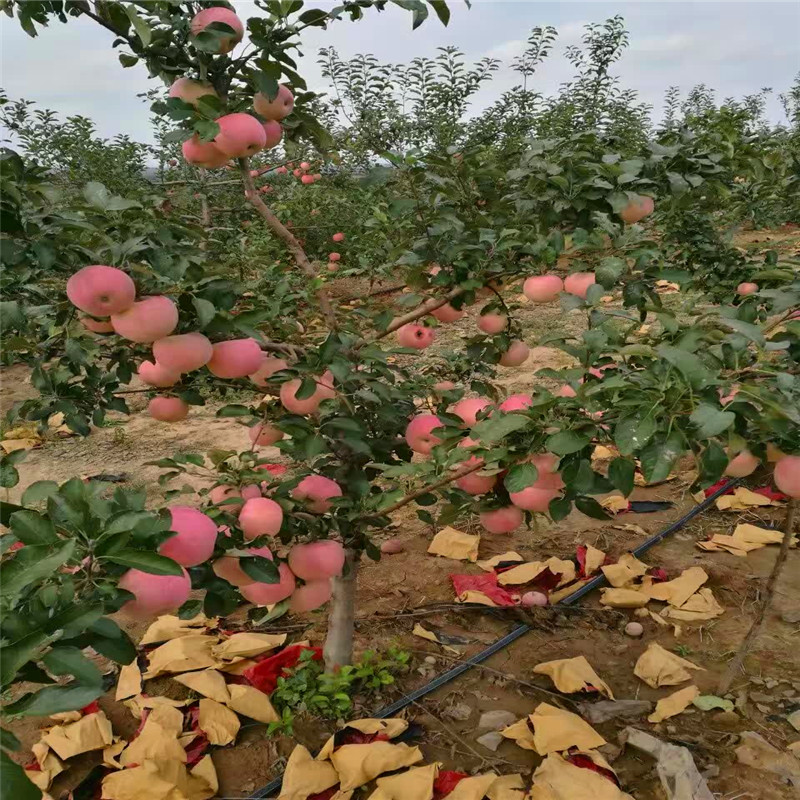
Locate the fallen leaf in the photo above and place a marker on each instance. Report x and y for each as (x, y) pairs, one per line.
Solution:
(698, 607)
(49, 766)
(357, 764)
(472, 788)
(413, 784)
(194, 651)
(677, 591)
(140, 702)
(158, 739)
(627, 569)
(247, 645)
(454, 544)
(557, 779)
(570, 675)
(423, 633)
(556, 730)
(658, 667)
(12, 445)
(129, 682)
(207, 682)
(91, 732)
(170, 627)
(250, 702)
(615, 503)
(742, 499)
(217, 722)
(674, 704)
(623, 598)
(706, 702)
(520, 732)
(489, 564)
(507, 787)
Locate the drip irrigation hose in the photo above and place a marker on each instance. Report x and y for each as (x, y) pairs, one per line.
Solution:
(516, 633)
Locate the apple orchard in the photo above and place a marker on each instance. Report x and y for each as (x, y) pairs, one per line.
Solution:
(363, 421)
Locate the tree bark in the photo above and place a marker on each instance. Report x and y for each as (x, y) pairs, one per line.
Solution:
(338, 650)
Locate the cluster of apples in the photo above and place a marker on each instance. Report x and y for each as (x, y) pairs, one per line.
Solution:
(194, 540)
(785, 474)
(240, 134)
(108, 295)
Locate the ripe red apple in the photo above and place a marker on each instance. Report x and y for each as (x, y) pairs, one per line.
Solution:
(229, 569)
(203, 154)
(578, 283)
(266, 594)
(317, 176)
(97, 325)
(182, 353)
(297, 173)
(334, 256)
(447, 313)
(264, 435)
(305, 166)
(419, 436)
(469, 408)
(219, 14)
(147, 320)
(281, 171)
(236, 358)
(273, 133)
(276, 109)
(100, 290)
(316, 491)
(190, 91)
(543, 288)
(787, 476)
(269, 366)
(311, 596)
(240, 135)
(154, 594)
(637, 209)
(338, 237)
(474, 483)
(260, 516)
(566, 391)
(516, 402)
(307, 179)
(194, 539)
(746, 288)
(742, 465)
(318, 560)
(223, 492)
(516, 354)
(168, 409)
(325, 391)
(417, 336)
(501, 520)
(157, 375)
(492, 323)
(443, 386)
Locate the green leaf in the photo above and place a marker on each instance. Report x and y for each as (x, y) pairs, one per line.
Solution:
(633, 433)
(621, 473)
(205, 309)
(146, 562)
(16, 655)
(609, 271)
(8, 741)
(713, 461)
(590, 507)
(314, 17)
(260, 569)
(6, 510)
(71, 661)
(711, 421)
(9, 477)
(565, 442)
(119, 649)
(658, 458)
(54, 700)
(38, 491)
(520, 477)
(498, 426)
(441, 9)
(31, 564)
(96, 195)
(688, 364)
(139, 25)
(746, 329)
(308, 387)
(707, 702)
(16, 783)
(560, 508)
(234, 410)
(32, 528)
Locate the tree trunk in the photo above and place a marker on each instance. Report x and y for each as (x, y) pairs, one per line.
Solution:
(338, 650)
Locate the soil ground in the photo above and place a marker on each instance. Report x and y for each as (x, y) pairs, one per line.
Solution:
(398, 591)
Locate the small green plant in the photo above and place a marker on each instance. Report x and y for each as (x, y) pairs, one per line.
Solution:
(683, 650)
(307, 687)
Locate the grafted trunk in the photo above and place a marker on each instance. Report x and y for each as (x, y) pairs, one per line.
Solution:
(338, 650)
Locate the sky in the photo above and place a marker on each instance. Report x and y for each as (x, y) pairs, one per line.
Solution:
(735, 47)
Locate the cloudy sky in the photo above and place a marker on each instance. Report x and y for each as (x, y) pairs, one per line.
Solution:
(735, 47)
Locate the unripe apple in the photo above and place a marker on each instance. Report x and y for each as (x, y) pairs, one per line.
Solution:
(578, 283)
(417, 336)
(276, 109)
(742, 465)
(154, 594)
(203, 154)
(219, 14)
(100, 290)
(147, 320)
(266, 594)
(746, 288)
(311, 596)
(338, 237)
(318, 560)
(157, 375)
(168, 409)
(194, 539)
(182, 353)
(260, 516)
(469, 408)
(516, 354)
(787, 476)
(543, 288)
(447, 313)
(97, 325)
(637, 209)
(269, 366)
(240, 135)
(316, 492)
(190, 91)
(273, 133)
(236, 358)
(492, 323)
(419, 433)
(334, 256)
(501, 520)
(516, 402)
(264, 435)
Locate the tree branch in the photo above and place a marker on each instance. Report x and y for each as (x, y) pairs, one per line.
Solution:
(288, 238)
(419, 311)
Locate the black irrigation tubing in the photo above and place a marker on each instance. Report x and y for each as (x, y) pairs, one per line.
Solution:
(521, 630)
